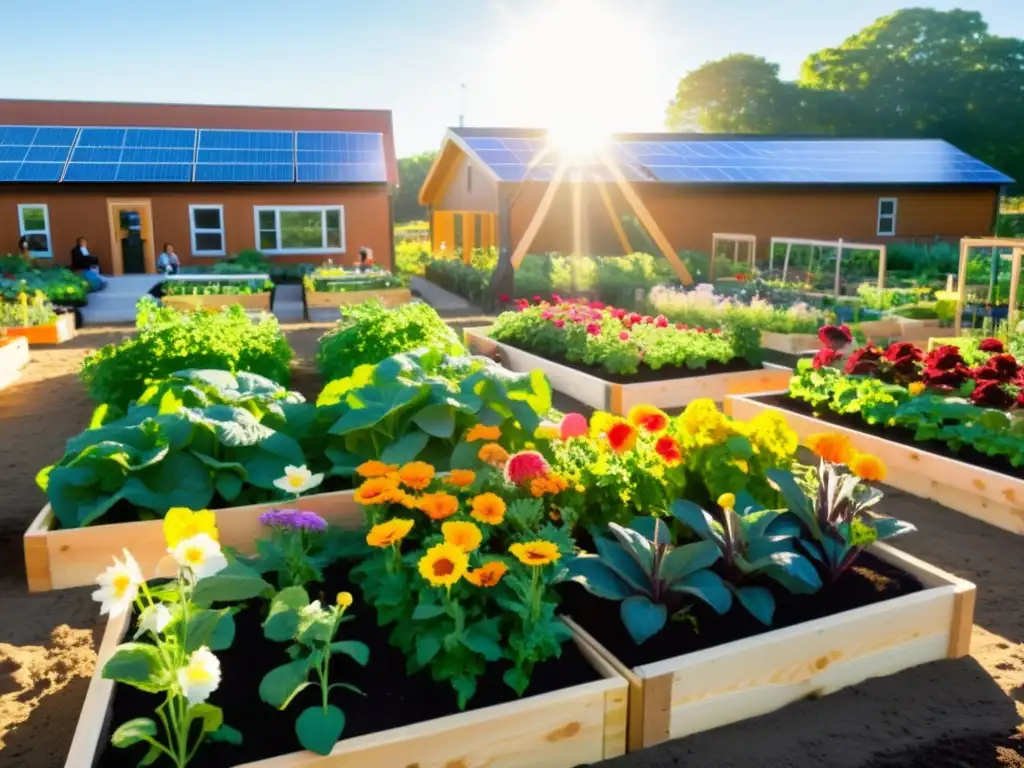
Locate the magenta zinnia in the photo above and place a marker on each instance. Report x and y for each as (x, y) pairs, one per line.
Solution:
(525, 466)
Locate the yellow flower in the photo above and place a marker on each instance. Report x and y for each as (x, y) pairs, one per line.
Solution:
(181, 523)
(493, 454)
(769, 431)
(868, 467)
(727, 501)
(703, 419)
(389, 533)
(480, 432)
(742, 466)
(535, 553)
(376, 490)
(375, 468)
(438, 506)
(416, 475)
(461, 478)
(916, 388)
(546, 432)
(465, 536)
(488, 508)
(487, 575)
(443, 565)
(344, 599)
(831, 447)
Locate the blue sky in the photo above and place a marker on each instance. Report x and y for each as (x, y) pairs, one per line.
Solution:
(411, 56)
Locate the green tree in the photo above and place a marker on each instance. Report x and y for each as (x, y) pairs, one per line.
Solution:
(412, 172)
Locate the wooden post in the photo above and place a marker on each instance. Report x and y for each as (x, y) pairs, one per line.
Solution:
(785, 264)
(735, 252)
(961, 287)
(1011, 315)
(523, 247)
(882, 258)
(620, 232)
(839, 264)
(648, 220)
(711, 259)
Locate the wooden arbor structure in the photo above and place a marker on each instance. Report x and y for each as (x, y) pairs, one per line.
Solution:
(840, 245)
(725, 238)
(642, 213)
(966, 244)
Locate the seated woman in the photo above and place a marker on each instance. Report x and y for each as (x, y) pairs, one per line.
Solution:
(168, 263)
(85, 262)
(365, 259)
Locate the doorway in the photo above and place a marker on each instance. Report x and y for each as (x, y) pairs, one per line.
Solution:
(131, 237)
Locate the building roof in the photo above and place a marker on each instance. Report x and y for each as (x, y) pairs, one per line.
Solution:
(201, 119)
(523, 154)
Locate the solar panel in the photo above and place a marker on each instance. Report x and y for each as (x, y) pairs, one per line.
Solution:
(245, 156)
(132, 154)
(339, 156)
(34, 153)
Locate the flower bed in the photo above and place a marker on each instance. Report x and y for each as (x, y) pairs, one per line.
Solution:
(328, 288)
(35, 320)
(186, 295)
(14, 356)
(57, 284)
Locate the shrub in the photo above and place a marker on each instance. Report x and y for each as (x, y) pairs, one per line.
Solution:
(217, 288)
(412, 258)
(167, 341)
(368, 333)
(459, 278)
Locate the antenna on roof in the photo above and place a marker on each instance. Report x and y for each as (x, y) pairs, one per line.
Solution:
(462, 105)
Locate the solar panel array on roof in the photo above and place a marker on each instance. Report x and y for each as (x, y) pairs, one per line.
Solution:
(865, 161)
(112, 154)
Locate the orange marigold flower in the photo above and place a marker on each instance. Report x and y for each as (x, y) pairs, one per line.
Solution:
(388, 533)
(487, 575)
(416, 475)
(480, 432)
(438, 506)
(549, 484)
(465, 536)
(493, 454)
(621, 436)
(443, 565)
(535, 553)
(668, 448)
(374, 468)
(868, 467)
(648, 418)
(376, 490)
(487, 508)
(461, 478)
(831, 447)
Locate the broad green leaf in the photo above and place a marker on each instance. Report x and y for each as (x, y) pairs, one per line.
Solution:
(406, 448)
(625, 567)
(597, 578)
(642, 618)
(423, 612)
(465, 687)
(212, 716)
(279, 684)
(234, 583)
(427, 647)
(708, 586)
(652, 528)
(319, 730)
(436, 419)
(484, 638)
(201, 624)
(636, 545)
(138, 665)
(226, 734)
(358, 652)
(758, 601)
(180, 480)
(688, 559)
(132, 732)
(517, 680)
(224, 633)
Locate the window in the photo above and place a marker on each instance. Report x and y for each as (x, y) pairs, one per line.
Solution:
(34, 222)
(300, 229)
(887, 216)
(207, 225)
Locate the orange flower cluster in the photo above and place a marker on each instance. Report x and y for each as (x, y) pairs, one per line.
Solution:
(549, 484)
(838, 449)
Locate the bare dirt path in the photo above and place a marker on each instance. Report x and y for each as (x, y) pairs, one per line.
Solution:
(955, 714)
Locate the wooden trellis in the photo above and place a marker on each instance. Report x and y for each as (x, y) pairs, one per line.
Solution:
(840, 245)
(966, 244)
(717, 237)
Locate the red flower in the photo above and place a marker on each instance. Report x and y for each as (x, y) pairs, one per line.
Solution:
(716, 331)
(503, 297)
(618, 314)
(573, 425)
(559, 323)
(661, 321)
(946, 379)
(594, 329)
(536, 299)
(992, 345)
(556, 298)
(596, 305)
(864, 361)
(522, 304)
(902, 350)
(825, 357)
(624, 335)
(944, 358)
(1004, 366)
(835, 336)
(634, 318)
(699, 329)
(622, 436)
(681, 326)
(648, 320)
(525, 466)
(991, 394)
(668, 448)
(547, 314)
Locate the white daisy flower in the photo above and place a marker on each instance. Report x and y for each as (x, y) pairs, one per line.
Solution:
(201, 554)
(201, 677)
(154, 618)
(119, 586)
(298, 480)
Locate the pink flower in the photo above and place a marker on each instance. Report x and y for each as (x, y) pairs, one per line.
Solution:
(559, 323)
(661, 321)
(648, 320)
(503, 297)
(594, 329)
(536, 299)
(556, 298)
(547, 314)
(596, 305)
(634, 318)
(525, 466)
(624, 335)
(681, 326)
(618, 314)
(573, 425)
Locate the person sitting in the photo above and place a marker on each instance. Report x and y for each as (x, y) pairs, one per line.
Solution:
(85, 262)
(168, 263)
(365, 259)
(25, 251)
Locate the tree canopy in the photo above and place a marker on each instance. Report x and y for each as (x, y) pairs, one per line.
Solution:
(412, 172)
(915, 73)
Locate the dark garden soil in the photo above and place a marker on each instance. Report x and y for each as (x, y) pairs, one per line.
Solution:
(647, 374)
(869, 581)
(394, 699)
(900, 435)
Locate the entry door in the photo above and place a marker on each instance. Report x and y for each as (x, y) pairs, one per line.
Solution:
(131, 237)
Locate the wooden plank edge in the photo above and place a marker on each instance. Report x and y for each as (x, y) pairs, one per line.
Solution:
(617, 702)
(657, 708)
(963, 621)
(37, 553)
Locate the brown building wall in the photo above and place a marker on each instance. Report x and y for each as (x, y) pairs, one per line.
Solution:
(76, 211)
(689, 217)
(461, 194)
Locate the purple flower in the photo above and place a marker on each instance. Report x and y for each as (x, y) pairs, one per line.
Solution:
(294, 520)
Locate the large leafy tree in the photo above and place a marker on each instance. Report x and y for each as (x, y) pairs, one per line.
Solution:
(412, 172)
(915, 73)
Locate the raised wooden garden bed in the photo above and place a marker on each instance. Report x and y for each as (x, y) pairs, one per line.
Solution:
(251, 301)
(790, 343)
(57, 558)
(990, 496)
(14, 356)
(60, 330)
(575, 726)
(389, 297)
(619, 398)
(735, 681)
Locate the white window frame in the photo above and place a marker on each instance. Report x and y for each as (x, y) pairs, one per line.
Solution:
(46, 230)
(321, 209)
(193, 230)
(883, 216)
